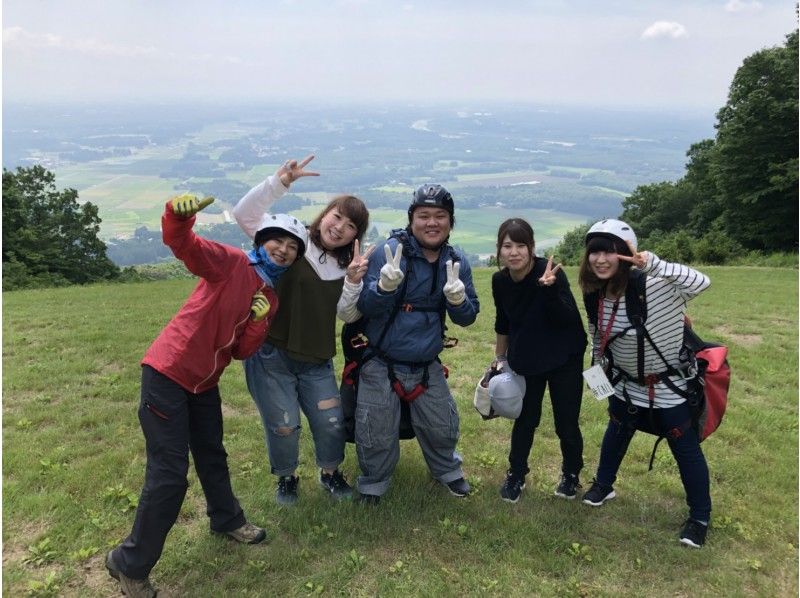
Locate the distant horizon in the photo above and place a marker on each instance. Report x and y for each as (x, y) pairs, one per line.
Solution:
(323, 103)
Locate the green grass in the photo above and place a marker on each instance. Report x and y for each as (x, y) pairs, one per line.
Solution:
(73, 465)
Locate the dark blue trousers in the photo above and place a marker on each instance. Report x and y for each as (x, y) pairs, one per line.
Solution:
(685, 448)
(566, 390)
(175, 421)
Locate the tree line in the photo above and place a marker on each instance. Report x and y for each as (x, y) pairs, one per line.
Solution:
(739, 194)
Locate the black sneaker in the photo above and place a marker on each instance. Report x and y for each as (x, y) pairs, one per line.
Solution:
(459, 487)
(286, 494)
(568, 486)
(369, 499)
(597, 495)
(693, 533)
(336, 484)
(512, 487)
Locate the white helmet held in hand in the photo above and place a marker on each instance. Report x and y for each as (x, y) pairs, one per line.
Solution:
(506, 391)
(613, 228)
(286, 224)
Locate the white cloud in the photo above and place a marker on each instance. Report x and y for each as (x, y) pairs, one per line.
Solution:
(740, 6)
(665, 29)
(17, 37)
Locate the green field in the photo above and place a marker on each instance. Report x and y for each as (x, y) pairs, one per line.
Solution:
(73, 464)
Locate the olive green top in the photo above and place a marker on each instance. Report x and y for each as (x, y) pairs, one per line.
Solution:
(305, 325)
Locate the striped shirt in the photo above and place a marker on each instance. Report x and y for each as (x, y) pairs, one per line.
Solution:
(669, 287)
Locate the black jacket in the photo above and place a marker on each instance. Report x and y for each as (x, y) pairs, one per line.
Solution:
(543, 324)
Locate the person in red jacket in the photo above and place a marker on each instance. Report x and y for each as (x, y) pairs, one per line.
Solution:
(227, 316)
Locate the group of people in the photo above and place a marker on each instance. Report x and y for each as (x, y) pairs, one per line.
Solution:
(275, 307)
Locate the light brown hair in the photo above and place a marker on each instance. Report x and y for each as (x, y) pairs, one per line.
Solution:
(354, 209)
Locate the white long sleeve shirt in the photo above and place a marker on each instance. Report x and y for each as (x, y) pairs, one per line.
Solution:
(249, 211)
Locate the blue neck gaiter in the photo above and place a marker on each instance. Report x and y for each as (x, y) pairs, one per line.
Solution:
(268, 270)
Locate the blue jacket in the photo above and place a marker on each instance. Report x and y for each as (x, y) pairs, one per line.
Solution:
(414, 336)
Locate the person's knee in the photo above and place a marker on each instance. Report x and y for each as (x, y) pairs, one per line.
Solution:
(285, 431)
(328, 404)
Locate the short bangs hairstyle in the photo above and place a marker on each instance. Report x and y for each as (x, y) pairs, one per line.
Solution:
(519, 231)
(615, 286)
(354, 209)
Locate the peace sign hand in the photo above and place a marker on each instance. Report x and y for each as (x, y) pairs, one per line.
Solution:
(391, 274)
(548, 279)
(454, 287)
(358, 265)
(639, 258)
(291, 170)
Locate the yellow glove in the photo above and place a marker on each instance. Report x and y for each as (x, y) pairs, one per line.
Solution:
(188, 205)
(259, 308)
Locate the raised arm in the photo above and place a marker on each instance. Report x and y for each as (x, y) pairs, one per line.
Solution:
(251, 208)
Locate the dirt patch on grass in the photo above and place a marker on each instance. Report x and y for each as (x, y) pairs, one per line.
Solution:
(18, 538)
(744, 340)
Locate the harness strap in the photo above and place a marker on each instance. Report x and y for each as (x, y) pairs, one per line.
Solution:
(347, 373)
(409, 396)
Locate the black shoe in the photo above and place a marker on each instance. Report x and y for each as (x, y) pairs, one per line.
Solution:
(597, 495)
(286, 494)
(336, 484)
(568, 486)
(512, 487)
(369, 499)
(134, 588)
(459, 487)
(693, 533)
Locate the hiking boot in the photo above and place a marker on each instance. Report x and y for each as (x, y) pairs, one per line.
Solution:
(336, 484)
(568, 486)
(598, 494)
(459, 487)
(133, 588)
(369, 499)
(248, 534)
(286, 494)
(512, 487)
(693, 533)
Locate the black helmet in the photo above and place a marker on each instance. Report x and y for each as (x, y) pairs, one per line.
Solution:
(434, 196)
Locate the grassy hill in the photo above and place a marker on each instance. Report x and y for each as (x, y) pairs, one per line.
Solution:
(73, 464)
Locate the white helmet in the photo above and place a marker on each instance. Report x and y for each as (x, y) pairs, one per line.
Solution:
(614, 228)
(481, 401)
(285, 223)
(505, 394)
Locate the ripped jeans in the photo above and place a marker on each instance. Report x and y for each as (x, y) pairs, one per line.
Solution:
(281, 387)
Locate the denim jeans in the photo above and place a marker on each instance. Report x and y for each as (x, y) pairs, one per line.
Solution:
(434, 418)
(686, 450)
(281, 387)
(566, 391)
(175, 421)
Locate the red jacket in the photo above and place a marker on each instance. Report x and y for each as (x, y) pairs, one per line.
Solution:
(214, 324)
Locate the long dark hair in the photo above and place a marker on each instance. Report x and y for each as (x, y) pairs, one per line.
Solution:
(519, 231)
(354, 209)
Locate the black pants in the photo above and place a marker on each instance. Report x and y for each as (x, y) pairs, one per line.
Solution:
(566, 390)
(174, 421)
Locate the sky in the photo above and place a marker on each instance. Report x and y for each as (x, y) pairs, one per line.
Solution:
(614, 53)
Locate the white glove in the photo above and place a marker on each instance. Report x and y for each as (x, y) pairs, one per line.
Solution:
(454, 289)
(391, 274)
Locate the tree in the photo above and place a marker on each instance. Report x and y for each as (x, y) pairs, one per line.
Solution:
(755, 163)
(48, 237)
(570, 250)
(661, 206)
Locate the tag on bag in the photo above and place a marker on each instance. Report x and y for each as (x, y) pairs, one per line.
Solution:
(598, 382)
